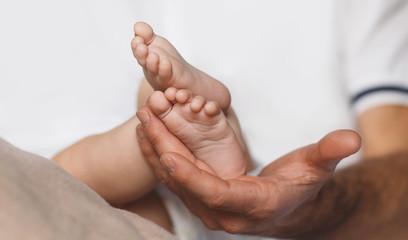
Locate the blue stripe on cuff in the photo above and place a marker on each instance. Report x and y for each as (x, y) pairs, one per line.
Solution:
(378, 89)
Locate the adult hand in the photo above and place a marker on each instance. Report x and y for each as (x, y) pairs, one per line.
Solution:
(275, 203)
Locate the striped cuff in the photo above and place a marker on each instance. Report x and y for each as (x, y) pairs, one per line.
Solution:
(377, 96)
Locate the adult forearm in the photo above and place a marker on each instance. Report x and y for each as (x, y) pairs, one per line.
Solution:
(364, 201)
(384, 130)
(367, 200)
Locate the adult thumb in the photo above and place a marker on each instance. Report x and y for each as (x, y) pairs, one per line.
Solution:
(334, 147)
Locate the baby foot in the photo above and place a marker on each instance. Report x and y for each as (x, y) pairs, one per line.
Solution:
(203, 128)
(164, 67)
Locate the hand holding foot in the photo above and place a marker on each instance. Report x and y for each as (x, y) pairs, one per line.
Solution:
(277, 203)
(203, 128)
(164, 67)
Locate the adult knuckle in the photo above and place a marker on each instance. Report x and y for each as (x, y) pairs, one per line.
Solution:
(262, 213)
(210, 223)
(231, 227)
(163, 177)
(212, 226)
(154, 138)
(238, 225)
(218, 200)
(183, 178)
(308, 176)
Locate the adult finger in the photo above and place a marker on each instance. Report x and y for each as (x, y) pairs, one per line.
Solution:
(151, 156)
(322, 157)
(197, 207)
(160, 137)
(335, 146)
(246, 195)
(164, 141)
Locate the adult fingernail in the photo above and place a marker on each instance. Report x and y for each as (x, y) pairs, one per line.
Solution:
(143, 117)
(169, 164)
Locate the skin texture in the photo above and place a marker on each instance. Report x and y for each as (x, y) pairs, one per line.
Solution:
(365, 200)
(384, 130)
(164, 67)
(202, 127)
(116, 153)
(110, 154)
(112, 165)
(296, 196)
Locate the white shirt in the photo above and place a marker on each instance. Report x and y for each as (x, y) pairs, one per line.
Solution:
(294, 66)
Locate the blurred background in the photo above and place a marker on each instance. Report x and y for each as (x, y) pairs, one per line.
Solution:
(67, 70)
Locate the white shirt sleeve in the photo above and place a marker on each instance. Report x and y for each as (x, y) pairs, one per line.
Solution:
(374, 51)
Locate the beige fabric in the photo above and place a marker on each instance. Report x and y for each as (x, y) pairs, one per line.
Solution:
(39, 200)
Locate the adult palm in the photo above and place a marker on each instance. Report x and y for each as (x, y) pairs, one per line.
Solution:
(278, 202)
